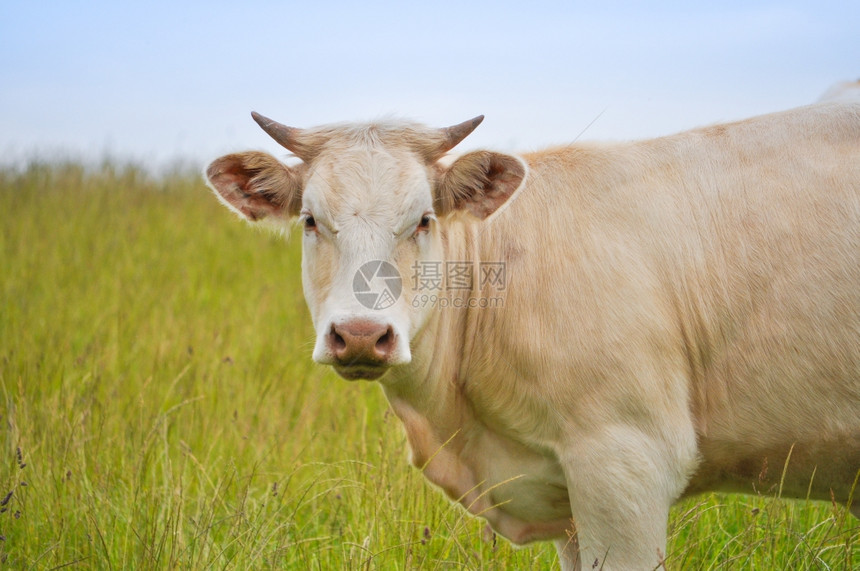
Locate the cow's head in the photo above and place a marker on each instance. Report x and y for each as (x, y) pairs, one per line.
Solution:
(370, 198)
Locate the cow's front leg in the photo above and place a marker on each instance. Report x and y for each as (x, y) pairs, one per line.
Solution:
(621, 484)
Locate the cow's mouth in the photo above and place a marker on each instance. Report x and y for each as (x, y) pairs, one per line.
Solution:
(358, 372)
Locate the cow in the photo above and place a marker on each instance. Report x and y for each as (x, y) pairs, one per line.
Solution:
(576, 338)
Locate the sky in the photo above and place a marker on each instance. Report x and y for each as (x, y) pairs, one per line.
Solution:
(158, 82)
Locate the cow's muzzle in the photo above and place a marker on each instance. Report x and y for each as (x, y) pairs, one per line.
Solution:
(361, 349)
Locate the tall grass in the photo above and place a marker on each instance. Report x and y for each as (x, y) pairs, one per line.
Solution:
(160, 409)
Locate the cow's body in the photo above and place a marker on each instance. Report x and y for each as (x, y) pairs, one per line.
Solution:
(679, 315)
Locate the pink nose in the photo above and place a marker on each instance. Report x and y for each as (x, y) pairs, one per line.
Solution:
(361, 342)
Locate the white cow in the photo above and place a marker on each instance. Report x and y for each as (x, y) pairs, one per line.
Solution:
(584, 335)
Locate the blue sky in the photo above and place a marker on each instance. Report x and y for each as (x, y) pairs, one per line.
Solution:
(156, 81)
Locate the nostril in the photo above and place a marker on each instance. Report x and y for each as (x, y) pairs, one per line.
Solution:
(385, 344)
(336, 341)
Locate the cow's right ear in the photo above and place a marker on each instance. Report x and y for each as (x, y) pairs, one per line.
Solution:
(256, 185)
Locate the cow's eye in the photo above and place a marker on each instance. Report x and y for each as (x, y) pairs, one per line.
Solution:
(310, 223)
(424, 224)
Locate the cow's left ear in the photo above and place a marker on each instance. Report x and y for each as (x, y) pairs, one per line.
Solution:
(479, 182)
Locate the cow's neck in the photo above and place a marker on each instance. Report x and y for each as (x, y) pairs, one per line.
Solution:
(454, 439)
(428, 398)
(427, 395)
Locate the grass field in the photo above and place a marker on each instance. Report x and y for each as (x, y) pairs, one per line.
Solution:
(159, 409)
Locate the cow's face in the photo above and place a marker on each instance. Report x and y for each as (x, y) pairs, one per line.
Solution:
(370, 199)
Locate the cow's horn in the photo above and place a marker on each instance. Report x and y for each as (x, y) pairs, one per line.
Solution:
(453, 135)
(287, 137)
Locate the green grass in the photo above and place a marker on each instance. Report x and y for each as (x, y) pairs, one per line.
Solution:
(159, 409)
